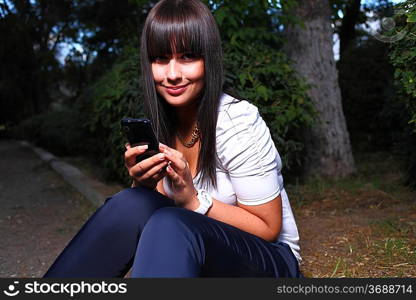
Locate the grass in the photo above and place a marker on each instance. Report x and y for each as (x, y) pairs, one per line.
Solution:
(361, 226)
(371, 256)
(389, 252)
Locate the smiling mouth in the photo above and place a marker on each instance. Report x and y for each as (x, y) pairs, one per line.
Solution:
(175, 87)
(176, 90)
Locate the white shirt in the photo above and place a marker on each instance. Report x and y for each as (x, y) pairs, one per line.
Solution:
(249, 166)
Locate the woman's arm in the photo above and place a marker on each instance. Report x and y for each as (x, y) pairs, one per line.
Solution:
(264, 220)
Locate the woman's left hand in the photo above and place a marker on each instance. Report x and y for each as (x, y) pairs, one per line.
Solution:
(181, 184)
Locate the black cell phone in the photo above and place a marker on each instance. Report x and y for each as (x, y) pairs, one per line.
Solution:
(139, 132)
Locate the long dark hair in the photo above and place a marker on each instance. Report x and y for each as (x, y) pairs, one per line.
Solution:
(184, 26)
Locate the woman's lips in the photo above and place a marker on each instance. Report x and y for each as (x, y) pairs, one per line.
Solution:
(176, 90)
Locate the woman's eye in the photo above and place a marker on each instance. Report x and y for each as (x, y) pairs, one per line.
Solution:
(190, 56)
(161, 59)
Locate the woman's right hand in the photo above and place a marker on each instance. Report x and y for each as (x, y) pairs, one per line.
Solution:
(149, 171)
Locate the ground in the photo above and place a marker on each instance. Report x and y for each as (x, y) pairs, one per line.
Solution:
(39, 212)
(363, 226)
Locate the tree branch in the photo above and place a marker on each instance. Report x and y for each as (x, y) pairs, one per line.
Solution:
(58, 37)
(5, 9)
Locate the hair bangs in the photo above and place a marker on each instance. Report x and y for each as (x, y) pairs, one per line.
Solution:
(172, 32)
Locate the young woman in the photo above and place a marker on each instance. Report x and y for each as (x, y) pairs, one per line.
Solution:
(212, 203)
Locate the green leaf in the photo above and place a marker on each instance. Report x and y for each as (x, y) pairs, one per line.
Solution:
(262, 91)
(220, 15)
(412, 18)
(243, 78)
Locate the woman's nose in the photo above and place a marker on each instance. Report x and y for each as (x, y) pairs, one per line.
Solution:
(173, 72)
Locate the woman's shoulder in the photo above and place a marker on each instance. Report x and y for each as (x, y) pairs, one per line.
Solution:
(233, 112)
(243, 140)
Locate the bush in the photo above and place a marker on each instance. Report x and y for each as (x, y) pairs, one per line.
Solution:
(403, 58)
(114, 96)
(258, 70)
(263, 76)
(61, 132)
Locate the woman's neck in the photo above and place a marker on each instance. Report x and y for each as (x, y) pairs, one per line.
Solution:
(186, 117)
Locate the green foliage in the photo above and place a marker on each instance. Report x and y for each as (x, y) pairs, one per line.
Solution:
(258, 70)
(403, 57)
(242, 19)
(115, 95)
(252, 20)
(262, 75)
(62, 132)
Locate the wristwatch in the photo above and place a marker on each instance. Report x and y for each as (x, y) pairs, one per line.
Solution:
(205, 201)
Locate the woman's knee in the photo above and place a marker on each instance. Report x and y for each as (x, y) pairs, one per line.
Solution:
(131, 207)
(177, 235)
(171, 220)
(168, 246)
(133, 200)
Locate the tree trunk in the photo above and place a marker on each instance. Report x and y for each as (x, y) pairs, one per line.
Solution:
(327, 142)
(347, 32)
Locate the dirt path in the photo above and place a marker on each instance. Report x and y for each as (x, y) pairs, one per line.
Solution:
(39, 212)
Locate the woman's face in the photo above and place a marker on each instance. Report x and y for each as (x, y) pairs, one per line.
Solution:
(179, 78)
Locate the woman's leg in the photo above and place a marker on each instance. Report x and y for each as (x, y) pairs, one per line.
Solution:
(180, 243)
(106, 244)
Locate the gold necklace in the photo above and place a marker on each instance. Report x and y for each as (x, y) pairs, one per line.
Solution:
(194, 137)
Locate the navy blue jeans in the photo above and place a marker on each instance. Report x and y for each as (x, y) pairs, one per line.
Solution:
(142, 229)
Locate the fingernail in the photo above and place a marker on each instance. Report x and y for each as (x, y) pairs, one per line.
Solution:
(161, 156)
(143, 147)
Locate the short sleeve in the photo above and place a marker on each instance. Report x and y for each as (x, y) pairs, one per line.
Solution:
(247, 152)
